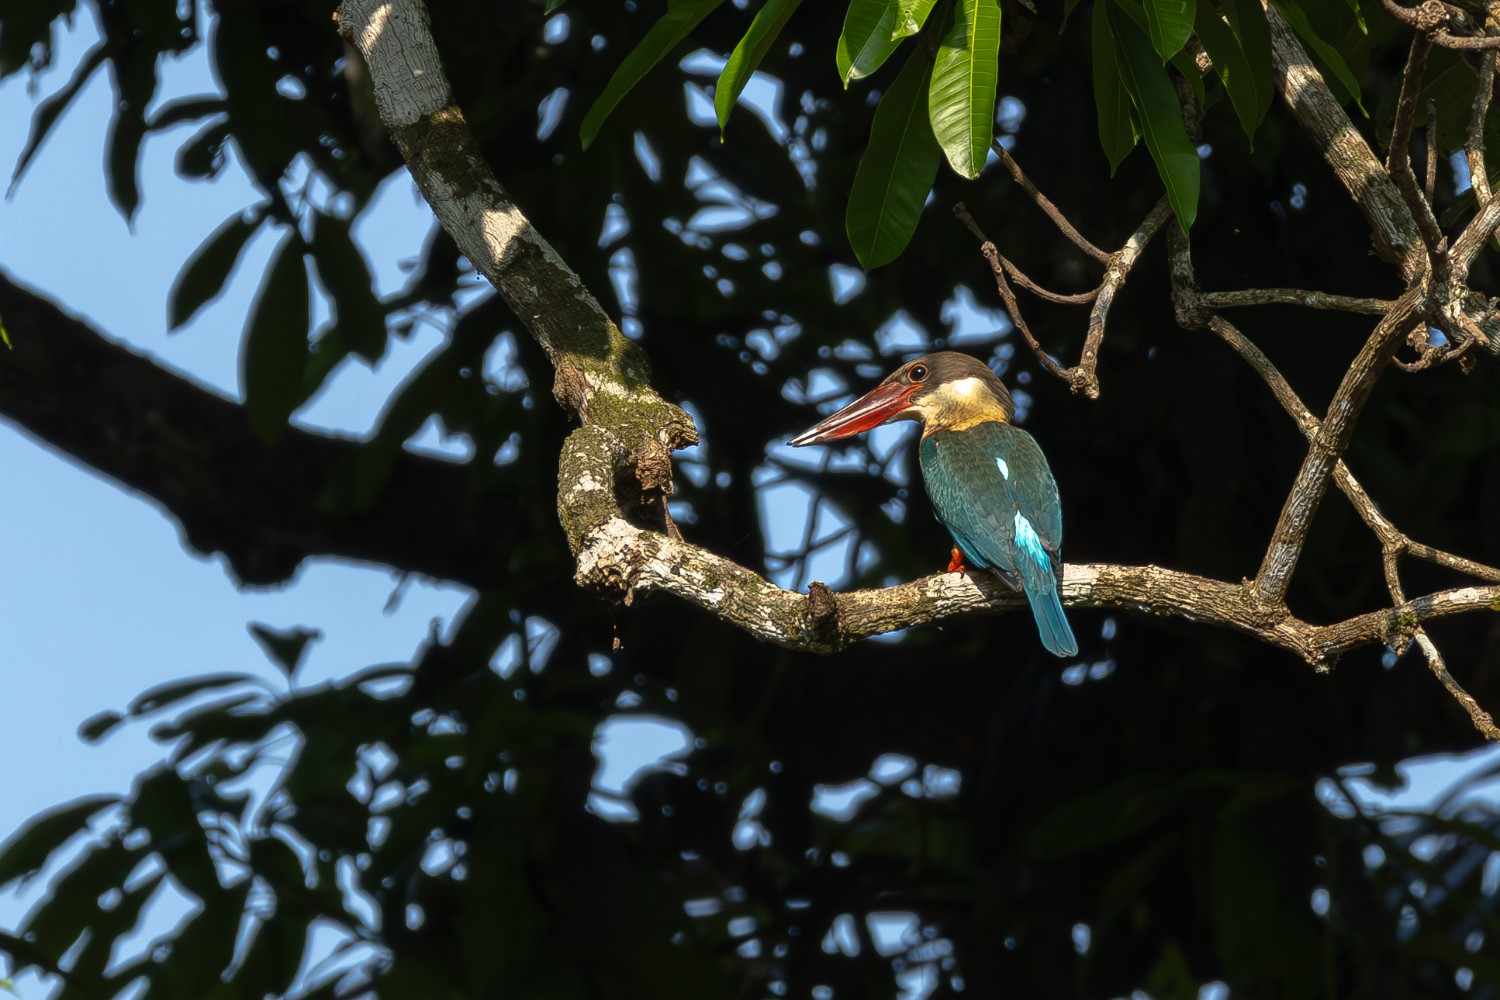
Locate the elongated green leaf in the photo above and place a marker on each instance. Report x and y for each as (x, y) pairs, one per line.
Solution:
(1231, 66)
(677, 23)
(48, 112)
(1248, 19)
(202, 278)
(747, 55)
(897, 169)
(1169, 23)
(1160, 116)
(1117, 131)
(28, 849)
(274, 351)
(5, 336)
(961, 99)
(868, 39)
(910, 16)
(1327, 56)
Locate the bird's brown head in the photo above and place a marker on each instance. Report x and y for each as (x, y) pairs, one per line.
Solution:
(945, 390)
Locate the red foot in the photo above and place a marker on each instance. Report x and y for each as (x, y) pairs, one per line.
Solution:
(956, 562)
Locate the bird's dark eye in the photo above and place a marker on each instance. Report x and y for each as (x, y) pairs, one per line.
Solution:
(918, 373)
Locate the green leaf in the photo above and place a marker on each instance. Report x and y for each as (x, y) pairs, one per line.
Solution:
(360, 319)
(1117, 130)
(48, 112)
(1169, 22)
(159, 697)
(96, 727)
(274, 351)
(961, 98)
(1247, 18)
(286, 648)
(868, 38)
(552, 5)
(677, 23)
(28, 849)
(747, 55)
(203, 276)
(910, 16)
(896, 171)
(1160, 115)
(1330, 58)
(1232, 66)
(5, 336)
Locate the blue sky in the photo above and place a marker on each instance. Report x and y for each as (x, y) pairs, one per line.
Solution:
(99, 601)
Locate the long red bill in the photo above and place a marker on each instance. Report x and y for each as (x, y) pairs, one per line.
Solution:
(872, 409)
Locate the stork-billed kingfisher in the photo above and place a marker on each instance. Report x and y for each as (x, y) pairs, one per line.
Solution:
(988, 480)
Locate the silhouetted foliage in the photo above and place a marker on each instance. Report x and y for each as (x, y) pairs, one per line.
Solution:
(1169, 811)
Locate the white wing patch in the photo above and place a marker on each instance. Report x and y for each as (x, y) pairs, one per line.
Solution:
(1004, 470)
(1028, 542)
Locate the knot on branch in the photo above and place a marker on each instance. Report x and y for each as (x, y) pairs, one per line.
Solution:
(1430, 17)
(822, 614)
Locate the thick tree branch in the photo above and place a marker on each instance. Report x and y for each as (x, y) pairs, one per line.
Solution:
(192, 452)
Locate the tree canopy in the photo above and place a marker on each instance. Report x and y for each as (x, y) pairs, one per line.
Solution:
(1264, 231)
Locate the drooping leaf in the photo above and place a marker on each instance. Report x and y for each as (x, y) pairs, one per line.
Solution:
(1117, 129)
(910, 16)
(48, 112)
(1169, 22)
(677, 23)
(896, 171)
(867, 39)
(1327, 55)
(29, 848)
(285, 647)
(747, 55)
(96, 727)
(159, 697)
(187, 109)
(274, 352)
(961, 98)
(1247, 18)
(203, 276)
(1232, 67)
(1160, 115)
(342, 269)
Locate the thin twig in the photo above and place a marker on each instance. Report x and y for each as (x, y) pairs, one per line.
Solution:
(1429, 182)
(1045, 204)
(1077, 299)
(1295, 297)
(1398, 157)
(1120, 266)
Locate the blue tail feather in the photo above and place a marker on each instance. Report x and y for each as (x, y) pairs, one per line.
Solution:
(1051, 623)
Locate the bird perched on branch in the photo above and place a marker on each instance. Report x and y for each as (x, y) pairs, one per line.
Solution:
(988, 480)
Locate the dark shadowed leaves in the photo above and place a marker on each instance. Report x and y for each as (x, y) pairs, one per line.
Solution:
(274, 352)
(896, 171)
(1117, 130)
(172, 692)
(203, 276)
(28, 849)
(677, 23)
(1232, 64)
(48, 111)
(96, 727)
(1160, 114)
(360, 319)
(1169, 23)
(285, 647)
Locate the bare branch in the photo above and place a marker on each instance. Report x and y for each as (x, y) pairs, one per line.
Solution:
(1398, 157)
(1119, 269)
(1295, 297)
(191, 451)
(1082, 377)
(1045, 204)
